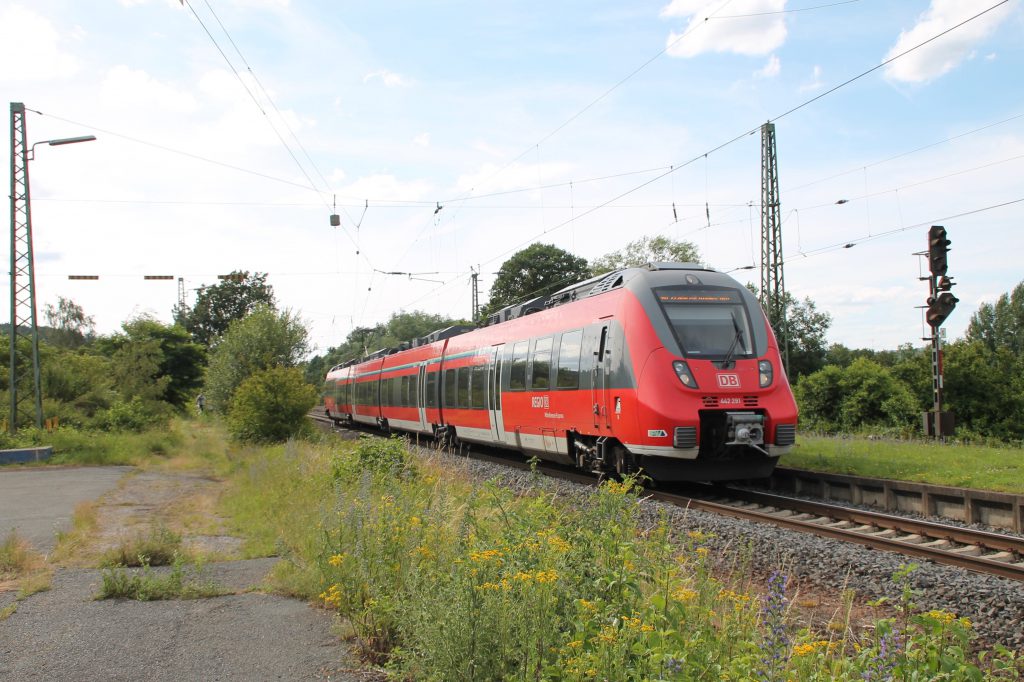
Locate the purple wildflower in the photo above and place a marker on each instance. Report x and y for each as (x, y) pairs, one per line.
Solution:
(776, 641)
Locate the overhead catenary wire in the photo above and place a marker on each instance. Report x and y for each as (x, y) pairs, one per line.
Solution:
(675, 167)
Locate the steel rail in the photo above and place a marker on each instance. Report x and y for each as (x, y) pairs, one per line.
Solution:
(927, 540)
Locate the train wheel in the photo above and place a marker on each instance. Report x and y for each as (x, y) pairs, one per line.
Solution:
(624, 462)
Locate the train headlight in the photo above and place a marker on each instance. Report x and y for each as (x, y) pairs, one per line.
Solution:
(684, 374)
(765, 373)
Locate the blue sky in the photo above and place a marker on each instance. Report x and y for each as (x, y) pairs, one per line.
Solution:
(507, 115)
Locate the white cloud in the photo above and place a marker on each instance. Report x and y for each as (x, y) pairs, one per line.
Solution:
(422, 140)
(815, 82)
(30, 48)
(133, 88)
(389, 78)
(945, 54)
(769, 70)
(990, 57)
(743, 27)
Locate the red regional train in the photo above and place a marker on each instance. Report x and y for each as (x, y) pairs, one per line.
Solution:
(670, 368)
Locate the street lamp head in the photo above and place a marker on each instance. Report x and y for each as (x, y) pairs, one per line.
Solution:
(71, 140)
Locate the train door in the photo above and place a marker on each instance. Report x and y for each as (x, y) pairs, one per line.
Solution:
(494, 393)
(599, 379)
(421, 398)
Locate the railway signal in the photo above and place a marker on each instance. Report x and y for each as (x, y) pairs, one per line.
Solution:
(940, 304)
(938, 247)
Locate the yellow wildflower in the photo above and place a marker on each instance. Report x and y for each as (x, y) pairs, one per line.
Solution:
(944, 617)
(336, 559)
(424, 552)
(684, 594)
(811, 647)
(588, 605)
(483, 556)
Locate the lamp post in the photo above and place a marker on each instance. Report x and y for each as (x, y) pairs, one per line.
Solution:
(23, 290)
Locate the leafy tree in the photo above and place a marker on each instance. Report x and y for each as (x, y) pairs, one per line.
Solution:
(537, 270)
(657, 249)
(270, 405)
(219, 305)
(264, 339)
(71, 327)
(807, 330)
(1000, 325)
(156, 361)
(984, 388)
(865, 394)
(913, 367)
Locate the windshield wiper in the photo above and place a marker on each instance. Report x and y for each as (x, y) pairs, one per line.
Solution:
(727, 363)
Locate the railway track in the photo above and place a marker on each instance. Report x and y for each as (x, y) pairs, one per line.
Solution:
(976, 550)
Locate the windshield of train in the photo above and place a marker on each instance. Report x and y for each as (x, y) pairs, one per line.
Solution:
(708, 323)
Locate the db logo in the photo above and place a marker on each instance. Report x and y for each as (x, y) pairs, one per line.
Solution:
(729, 380)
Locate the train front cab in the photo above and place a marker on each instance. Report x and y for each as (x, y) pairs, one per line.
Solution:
(713, 399)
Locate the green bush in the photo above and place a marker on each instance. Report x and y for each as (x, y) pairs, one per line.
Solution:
(381, 456)
(270, 405)
(133, 415)
(865, 394)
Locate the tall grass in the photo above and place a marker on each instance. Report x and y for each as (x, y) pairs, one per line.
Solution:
(970, 466)
(441, 578)
(445, 580)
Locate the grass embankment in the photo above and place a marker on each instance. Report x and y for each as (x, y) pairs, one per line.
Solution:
(968, 466)
(442, 578)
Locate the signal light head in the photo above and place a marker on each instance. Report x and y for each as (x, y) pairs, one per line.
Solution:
(939, 308)
(938, 246)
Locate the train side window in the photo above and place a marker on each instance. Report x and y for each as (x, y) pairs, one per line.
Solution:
(478, 388)
(404, 393)
(517, 373)
(569, 360)
(414, 390)
(450, 388)
(540, 367)
(432, 388)
(463, 396)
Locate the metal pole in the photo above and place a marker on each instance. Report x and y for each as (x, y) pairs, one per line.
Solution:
(773, 279)
(476, 292)
(23, 290)
(933, 287)
(16, 129)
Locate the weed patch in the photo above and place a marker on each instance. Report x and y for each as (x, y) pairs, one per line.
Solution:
(147, 585)
(159, 547)
(16, 557)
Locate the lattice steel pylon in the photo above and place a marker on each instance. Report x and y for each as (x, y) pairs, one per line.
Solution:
(773, 280)
(475, 281)
(24, 380)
